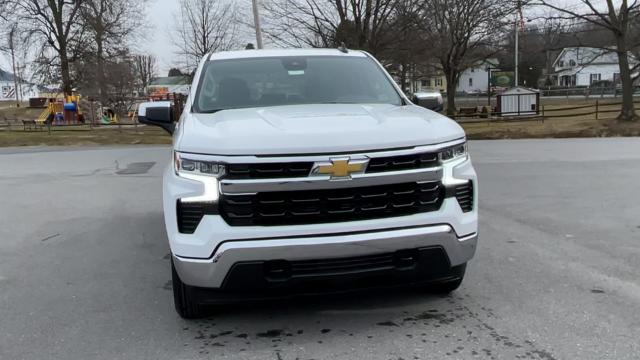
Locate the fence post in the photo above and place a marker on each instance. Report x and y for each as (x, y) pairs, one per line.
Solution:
(597, 109)
(93, 116)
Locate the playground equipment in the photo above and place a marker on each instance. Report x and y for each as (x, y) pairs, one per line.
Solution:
(107, 116)
(132, 112)
(62, 111)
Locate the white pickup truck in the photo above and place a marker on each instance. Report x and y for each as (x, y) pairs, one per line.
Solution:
(306, 171)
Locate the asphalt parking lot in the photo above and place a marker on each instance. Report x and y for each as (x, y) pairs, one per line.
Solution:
(84, 269)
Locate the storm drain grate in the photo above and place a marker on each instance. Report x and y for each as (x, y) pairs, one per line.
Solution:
(136, 168)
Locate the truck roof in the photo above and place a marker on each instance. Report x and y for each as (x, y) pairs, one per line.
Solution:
(243, 54)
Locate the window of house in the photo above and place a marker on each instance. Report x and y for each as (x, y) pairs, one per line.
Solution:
(470, 81)
(561, 63)
(594, 78)
(438, 82)
(616, 78)
(472, 69)
(572, 62)
(424, 83)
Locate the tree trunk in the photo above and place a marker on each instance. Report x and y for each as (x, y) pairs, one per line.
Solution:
(451, 92)
(403, 78)
(100, 69)
(13, 63)
(628, 112)
(64, 70)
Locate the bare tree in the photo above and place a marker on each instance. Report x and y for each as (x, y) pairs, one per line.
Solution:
(617, 17)
(12, 49)
(205, 26)
(407, 56)
(54, 25)
(10, 45)
(300, 23)
(122, 84)
(552, 32)
(145, 67)
(461, 33)
(4, 13)
(110, 23)
(360, 24)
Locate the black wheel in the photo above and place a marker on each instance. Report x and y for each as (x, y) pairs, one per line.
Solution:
(448, 286)
(183, 297)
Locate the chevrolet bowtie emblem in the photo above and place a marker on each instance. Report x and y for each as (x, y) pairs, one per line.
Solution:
(341, 168)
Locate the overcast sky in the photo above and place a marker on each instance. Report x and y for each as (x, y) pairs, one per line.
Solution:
(157, 41)
(161, 19)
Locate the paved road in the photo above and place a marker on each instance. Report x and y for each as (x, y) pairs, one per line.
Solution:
(84, 271)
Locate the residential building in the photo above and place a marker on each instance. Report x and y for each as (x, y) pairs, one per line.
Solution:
(475, 80)
(582, 66)
(8, 88)
(436, 81)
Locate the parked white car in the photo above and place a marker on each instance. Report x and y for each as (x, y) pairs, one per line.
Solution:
(305, 171)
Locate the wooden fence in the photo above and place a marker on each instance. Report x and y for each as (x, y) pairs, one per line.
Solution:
(598, 108)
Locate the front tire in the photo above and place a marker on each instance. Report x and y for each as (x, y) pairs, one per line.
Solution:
(183, 297)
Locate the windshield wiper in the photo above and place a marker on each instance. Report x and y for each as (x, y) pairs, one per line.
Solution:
(212, 111)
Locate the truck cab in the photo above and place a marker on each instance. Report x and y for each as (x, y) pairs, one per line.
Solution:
(308, 170)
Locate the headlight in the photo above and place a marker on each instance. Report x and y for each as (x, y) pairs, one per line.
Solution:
(453, 152)
(194, 167)
(185, 164)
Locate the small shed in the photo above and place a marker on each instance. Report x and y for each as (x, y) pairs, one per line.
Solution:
(519, 101)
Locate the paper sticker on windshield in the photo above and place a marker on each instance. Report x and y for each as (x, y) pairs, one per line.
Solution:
(296, 72)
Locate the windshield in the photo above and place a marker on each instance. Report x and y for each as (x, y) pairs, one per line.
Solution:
(256, 82)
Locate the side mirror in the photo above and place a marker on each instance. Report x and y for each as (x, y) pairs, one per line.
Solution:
(159, 113)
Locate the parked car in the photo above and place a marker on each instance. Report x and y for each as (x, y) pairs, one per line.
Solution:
(304, 171)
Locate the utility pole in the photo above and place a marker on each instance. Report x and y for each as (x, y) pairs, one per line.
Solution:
(13, 63)
(256, 22)
(489, 85)
(519, 24)
(516, 59)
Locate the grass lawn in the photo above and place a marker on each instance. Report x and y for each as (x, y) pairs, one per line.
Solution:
(10, 112)
(551, 128)
(84, 136)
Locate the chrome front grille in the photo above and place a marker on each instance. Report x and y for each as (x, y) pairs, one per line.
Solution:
(287, 190)
(402, 162)
(331, 205)
(268, 170)
(279, 170)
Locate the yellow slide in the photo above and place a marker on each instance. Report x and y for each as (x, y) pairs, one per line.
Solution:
(43, 116)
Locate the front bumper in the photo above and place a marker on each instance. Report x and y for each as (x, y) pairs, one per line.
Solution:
(211, 273)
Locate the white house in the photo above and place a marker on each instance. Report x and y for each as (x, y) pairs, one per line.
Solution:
(476, 79)
(582, 66)
(8, 88)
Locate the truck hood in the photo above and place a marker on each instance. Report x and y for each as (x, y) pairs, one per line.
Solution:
(313, 129)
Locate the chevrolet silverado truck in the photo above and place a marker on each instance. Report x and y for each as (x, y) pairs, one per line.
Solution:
(297, 172)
